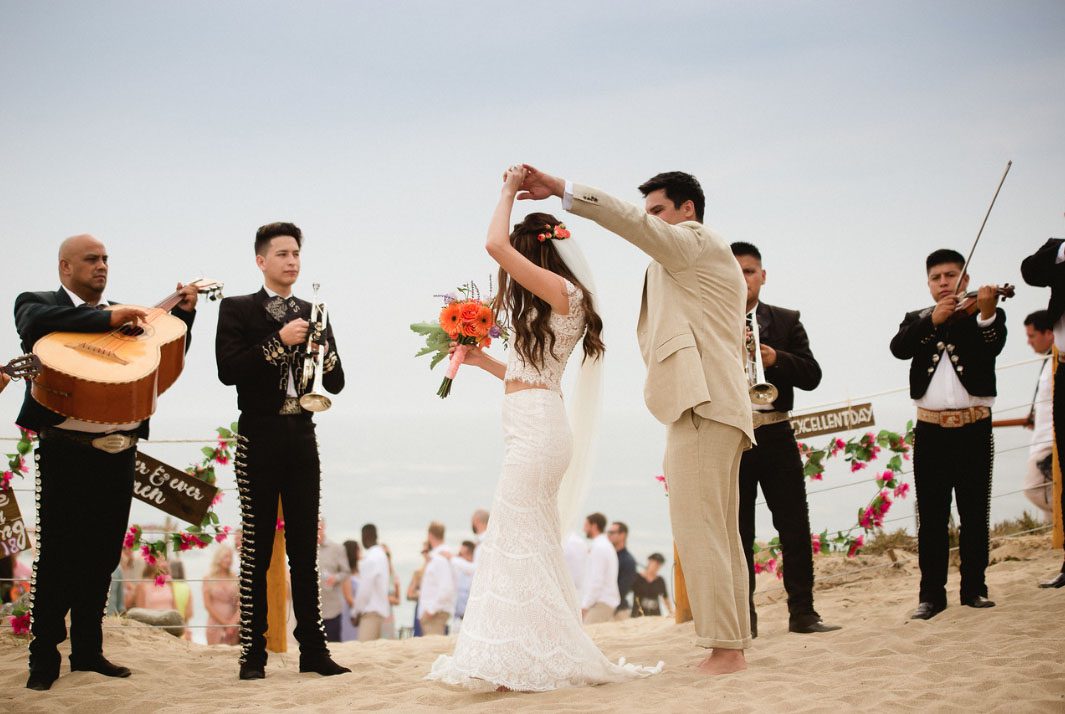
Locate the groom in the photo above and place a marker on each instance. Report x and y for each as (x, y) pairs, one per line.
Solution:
(691, 332)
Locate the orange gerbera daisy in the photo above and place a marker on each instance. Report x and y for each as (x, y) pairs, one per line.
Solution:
(470, 309)
(451, 319)
(472, 329)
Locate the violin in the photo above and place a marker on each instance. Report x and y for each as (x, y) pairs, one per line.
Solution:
(967, 303)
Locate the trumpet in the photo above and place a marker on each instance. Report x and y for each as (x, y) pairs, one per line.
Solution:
(761, 391)
(315, 400)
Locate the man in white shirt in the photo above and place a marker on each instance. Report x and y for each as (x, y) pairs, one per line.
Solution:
(952, 356)
(371, 599)
(575, 550)
(600, 596)
(1039, 474)
(333, 570)
(479, 524)
(436, 600)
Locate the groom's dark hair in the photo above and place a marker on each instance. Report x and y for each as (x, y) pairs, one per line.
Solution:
(369, 535)
(679, 187)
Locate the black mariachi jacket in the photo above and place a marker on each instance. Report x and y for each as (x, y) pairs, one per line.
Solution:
(1042, 270)
(41, 313)
(251, 356)
(972, 350)
(795, 367)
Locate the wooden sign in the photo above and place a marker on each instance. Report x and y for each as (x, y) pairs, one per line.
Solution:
(171, 490)
(831, 421)
(13, 538)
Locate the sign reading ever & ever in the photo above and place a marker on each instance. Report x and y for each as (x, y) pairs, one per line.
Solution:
(171, 490)
(13, 538)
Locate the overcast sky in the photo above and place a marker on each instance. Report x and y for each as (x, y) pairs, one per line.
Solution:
(846, 140)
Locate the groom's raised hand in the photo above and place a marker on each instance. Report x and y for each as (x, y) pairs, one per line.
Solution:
(537, 185)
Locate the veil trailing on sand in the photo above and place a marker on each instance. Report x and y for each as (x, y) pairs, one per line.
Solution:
(584, 407)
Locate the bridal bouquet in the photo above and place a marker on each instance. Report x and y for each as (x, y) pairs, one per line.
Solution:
(466, 319)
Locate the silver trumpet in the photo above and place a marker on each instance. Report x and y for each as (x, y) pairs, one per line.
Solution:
(761, 391)
(315, 400)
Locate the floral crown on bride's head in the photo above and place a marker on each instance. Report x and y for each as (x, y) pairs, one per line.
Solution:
(559, 232)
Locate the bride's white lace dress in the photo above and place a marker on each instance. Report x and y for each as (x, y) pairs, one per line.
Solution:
(522, 628)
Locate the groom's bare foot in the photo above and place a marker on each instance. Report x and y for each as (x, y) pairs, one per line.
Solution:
(723, 661)
(501, 688)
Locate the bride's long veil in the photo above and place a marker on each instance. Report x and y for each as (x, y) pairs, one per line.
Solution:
(584, 407)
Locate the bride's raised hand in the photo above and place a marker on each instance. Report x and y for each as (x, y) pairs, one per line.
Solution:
(538, 185)
(512, 179)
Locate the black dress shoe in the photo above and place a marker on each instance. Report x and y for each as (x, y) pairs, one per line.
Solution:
(250, 670)
(321, 664)
(926, 611)
(42, 678)
(1057, 581)
(100, 665)
(977, 601)
(809, 625)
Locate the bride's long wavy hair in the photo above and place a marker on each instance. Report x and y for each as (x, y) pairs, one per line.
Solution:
(529, 315)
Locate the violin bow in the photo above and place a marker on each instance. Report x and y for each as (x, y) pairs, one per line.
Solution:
(965, 267)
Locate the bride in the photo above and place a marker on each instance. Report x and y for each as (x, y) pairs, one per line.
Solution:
(522, 628)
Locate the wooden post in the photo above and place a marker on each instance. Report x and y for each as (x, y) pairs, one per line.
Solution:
(277, 593)
(680, 590)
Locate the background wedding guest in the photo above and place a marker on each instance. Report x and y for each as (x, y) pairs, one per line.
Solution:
(478, 524)
(349, 629)
(649, 589)
(600, 597)
(618, 534)
(333, 570)
(467, 554)
(1039, 474)
(150, 596)
(575, 551)
(221, 599)
(371, 605)
(436, 599)
(182, 595)
(388, 627)
(121, 586)
(414, 590)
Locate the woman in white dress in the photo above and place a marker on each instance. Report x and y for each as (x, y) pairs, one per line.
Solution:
(522, 628)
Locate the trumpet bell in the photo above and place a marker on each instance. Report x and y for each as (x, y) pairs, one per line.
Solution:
(315, 402)
(764, 393)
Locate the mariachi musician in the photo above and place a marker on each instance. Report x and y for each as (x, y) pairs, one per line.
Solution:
(774, 462)
(259, 348)
(952, 350)
(1046, 268)
(84, 473)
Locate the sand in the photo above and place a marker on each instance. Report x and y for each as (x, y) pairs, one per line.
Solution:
(1009, 658)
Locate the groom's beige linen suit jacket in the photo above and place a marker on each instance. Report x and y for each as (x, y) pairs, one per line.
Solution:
(691, 327)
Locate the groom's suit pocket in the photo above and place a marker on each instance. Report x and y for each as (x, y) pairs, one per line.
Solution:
(675, 378)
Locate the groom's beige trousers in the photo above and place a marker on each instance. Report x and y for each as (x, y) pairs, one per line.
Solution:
(702, 468)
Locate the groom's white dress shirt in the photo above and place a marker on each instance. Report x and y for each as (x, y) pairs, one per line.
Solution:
(601, 575)
(438, 585)
(374, 580)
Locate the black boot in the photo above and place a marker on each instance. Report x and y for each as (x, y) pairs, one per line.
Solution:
(321, 663)
(99, 664)
(44, 670)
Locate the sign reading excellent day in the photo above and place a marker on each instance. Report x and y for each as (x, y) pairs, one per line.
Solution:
(831, 421)
(13, 539)
(171, 490)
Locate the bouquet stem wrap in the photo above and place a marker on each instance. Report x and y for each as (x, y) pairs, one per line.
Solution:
(453, 368)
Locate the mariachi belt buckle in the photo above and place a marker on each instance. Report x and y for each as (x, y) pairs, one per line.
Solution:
(951, 420)
(114, 443)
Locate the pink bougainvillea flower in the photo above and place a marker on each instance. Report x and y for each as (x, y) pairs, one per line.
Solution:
(162, 579)
(840, 443)
(856, 545)
(857, 466)
(771, 564)
(902, 489)
(222, 534)
(5, 480)
(758, 568)
(662, 480)
(131, 537)
(280, 525)
(817, 476)
(217, 498)
(815, 541)
(20, 624)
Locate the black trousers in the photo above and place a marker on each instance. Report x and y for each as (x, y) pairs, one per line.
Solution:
(277, 456)
(776, 466)
(1059, 427)
(954, 461)
(83, 500)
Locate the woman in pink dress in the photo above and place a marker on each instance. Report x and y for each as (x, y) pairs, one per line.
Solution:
(221, 598)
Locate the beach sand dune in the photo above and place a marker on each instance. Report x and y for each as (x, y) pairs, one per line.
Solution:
(1010, 658)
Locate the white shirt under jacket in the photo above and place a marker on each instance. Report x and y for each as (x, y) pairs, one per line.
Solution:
(438, 585)
(374, 579)
(1043, 431)
(946, 391)
(601, 575)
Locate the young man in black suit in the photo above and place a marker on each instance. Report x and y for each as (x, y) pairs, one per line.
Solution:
(952, 383)
(260, 350)
(1046, 269)
(84, 473)
(774, 462)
